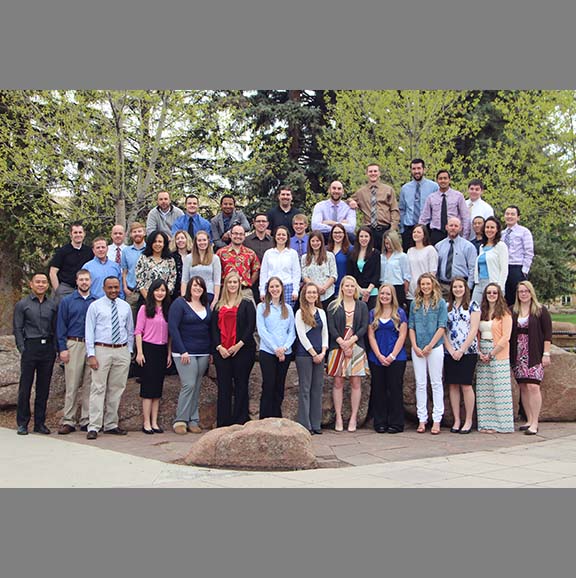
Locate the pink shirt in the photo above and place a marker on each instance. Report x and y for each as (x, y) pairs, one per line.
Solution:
(153, 330)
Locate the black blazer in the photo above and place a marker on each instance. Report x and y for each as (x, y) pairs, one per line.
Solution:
(370, 273)
(337, 324)
(245, 325)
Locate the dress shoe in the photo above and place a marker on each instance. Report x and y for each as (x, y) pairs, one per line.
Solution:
(22, 430)
(116, 431)
(42, 429)
(91, 435)
(66, 429)
(455, 430)
(157, 429)
(524, 427)
(466, 431)
(318, 431)
(380, 429)
(195, 429)
(352, 426)
(530, 432)
(180, 427)
(147, 431)
(394, 430)
(83, 428)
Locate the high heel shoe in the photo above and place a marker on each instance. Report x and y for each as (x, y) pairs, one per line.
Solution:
(147, 431)
(339, 425)
(352, 426)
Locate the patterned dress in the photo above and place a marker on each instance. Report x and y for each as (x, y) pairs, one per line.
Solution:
(522, 371)
(493, 388)
(341, 366)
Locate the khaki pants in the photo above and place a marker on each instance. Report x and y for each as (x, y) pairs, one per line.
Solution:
(108, 385)
(77, 375)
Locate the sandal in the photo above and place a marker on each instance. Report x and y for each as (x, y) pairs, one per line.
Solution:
(421, 427)
(435, 429)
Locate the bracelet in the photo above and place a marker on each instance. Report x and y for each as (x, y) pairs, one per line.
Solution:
(546, 354)
(393, 357)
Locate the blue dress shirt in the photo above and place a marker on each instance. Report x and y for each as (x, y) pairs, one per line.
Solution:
(99, 324)
(408, 218)
(71, 319)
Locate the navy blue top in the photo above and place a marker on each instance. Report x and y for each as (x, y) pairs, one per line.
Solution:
(386, 337)
(341, 265)
(314, 334)
(71, 320)
(190, 333)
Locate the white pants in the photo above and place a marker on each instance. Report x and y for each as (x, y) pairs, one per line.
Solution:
(434, 364)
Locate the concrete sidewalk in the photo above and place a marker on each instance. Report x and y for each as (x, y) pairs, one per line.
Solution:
(37, 461)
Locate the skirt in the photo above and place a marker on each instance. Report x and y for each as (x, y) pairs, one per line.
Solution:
(340, 366)
(152, 372)
(460, 372)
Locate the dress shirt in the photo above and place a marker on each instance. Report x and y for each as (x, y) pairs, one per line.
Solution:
(324, 211)
(299, 245)
(277, 216)
(395, 270)
(152, 329)
(425, 322)
(387, 212)
(112, 251)
(520, 247)
(244, 261)
(99, 324)
(274, 331)
(478, 208)
(463, 260)
(72, 317)
(259, 246)
(406, 202)
(200, 224)
(130, 257)
(431, 214)
(158, 220)
(99, 271)
(33, 319)
(69, 260)
(282, 264)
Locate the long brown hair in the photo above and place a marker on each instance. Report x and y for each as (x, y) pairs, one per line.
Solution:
(321, 252)
(268, 299)
(465, 298)
(208, 254)
(379, 308)
(500, 307)
(307, 316)
(436, 292)
(345, 239)
(357, 247)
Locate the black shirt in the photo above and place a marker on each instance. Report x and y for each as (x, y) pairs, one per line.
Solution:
(34, 320)
(69, 261)
(259, 246)
(277, 217)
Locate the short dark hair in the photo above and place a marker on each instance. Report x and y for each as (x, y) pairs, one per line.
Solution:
(513, 207)
(83, 272)
(260, 214)
(43, 273)
(227, 196)
(476, 183)
(284, 187)
(418, 162)
(443, 171)
(76, 224)
(108, 278)
(374, 164)
(191, 196)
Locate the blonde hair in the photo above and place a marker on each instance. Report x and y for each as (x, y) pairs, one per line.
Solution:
(395, 242)
(307, 316)
(225, 300)
(379, 307)
(436, 292)
(172, 245)
(535, 305)
(338, 301)
(208, 254)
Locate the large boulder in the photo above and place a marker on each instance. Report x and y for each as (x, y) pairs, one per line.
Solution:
(559, 387)
(268, 444)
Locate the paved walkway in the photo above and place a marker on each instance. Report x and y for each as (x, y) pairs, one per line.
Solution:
(362, 459)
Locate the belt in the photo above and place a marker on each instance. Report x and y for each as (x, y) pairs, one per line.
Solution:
(380, 227)
(72, 338)
(113, 345)
(41, 340)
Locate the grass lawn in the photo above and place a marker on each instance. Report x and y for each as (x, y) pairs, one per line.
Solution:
(567, 317)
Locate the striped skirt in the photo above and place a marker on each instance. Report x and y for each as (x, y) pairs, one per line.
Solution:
(494, 393)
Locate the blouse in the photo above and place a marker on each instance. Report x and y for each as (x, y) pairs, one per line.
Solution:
(319, 274)
(425, 322)
(394, 270)
(147, 270)
(386, 336)
(152, 329)
(341, 266)
(458, 327)
(274, 331)
(423, 260)
(282, 264)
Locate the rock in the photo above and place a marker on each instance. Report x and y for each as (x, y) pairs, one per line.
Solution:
(268, 444)
(563, 334)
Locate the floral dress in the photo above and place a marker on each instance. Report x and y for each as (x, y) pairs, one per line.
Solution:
(522, 371)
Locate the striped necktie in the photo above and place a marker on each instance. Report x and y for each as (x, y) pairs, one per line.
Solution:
(115, 323)
(118, 255)
(507, 234)
(373, 207)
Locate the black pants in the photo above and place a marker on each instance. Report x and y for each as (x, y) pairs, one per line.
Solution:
(515, 275)
(378, 234)
(407, 240)
(273, 380)
(37, 361)
(436, 235)
(387, 395)
(233, 376)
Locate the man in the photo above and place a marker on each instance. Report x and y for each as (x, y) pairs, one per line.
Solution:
(223, 222)
(259, 241)
(130, 257)
(413, 195)
(478, 230)
(67, 261)
(70, 332)
(477, 206)
(441, 205)
(163, 216)
(34, 325)
(334, 211)
(191, 221)
(100, 267)
(378, 203)
(109, 345)
(117, 246)
(299, 241)
(283, 213)
(237, 257)
(520, 245)
(456, 257)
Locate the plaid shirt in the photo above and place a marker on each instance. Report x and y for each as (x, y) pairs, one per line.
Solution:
(245, 262)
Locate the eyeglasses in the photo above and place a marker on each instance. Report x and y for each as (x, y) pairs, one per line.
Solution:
(491, 292)
(523, 291)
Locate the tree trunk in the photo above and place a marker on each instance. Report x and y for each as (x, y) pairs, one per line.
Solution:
(10, 287)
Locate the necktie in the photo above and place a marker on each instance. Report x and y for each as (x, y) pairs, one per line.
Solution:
(417, 202)
(334, 212)
(300, 244)
(443, 213)
(191, 227)
(507, 234)
(449, 260)
(118, 255)
(115, 323)
(373, 214)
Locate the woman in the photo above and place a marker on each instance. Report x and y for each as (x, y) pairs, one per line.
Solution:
(311, 347)
(422, 258)
(461, 351)
(180, 247)
(347, 326)
(387, 358)
(153, 352)
(394, 266)
(428, 317)
(364, 266)
(189, 323)
(493, 386)
(339, 245)
(275, 325)
(530, 343)
(281, 261)
(319, 267)
(492, 261)
(203, 263)
(155, 263)
(233, 325)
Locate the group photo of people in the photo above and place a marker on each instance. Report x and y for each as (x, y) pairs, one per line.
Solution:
(355, 289)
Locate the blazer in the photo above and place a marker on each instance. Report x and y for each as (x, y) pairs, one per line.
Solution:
(370, 273)
(217, 225)
(245, 325)
(539, 331)
(337, 323)
(497, 263)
